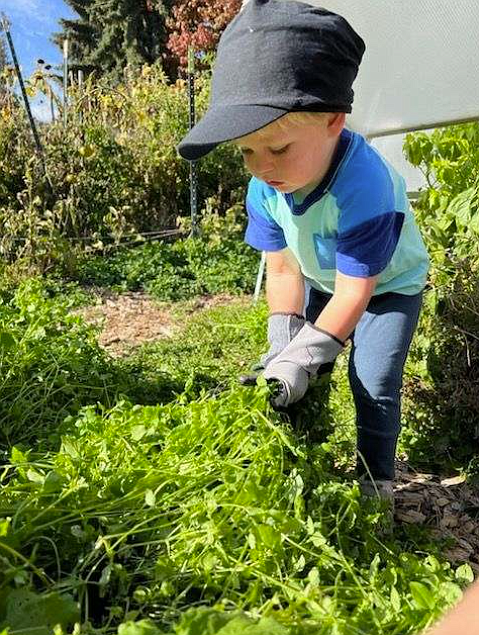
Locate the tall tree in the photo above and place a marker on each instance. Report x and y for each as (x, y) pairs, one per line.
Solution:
(111, 34)
(198, 23)
(81, 33)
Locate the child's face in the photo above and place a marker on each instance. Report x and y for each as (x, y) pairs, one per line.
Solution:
(292, 158)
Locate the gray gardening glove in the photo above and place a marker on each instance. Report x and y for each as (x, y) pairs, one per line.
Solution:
(299, 361)
(282, 328)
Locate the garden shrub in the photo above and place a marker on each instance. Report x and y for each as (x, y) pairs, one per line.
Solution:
(216, 261)
(114, 170)
(441, 407)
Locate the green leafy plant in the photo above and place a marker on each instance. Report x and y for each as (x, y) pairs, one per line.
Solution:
(441, 407)
(447, 208)
(50, 363)
(114, 171)
(209, 502)
(216, 261)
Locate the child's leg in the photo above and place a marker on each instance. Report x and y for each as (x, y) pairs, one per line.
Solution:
(381, 342)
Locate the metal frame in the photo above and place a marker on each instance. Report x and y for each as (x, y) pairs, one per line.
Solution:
(5, 25)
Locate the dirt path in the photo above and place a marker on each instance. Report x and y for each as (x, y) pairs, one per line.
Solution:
(127, 320)
(131, 319)
(448, 506)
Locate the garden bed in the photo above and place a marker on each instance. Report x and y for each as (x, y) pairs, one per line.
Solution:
(448, 506)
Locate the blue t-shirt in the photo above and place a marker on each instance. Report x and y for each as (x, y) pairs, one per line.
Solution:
(357, 221)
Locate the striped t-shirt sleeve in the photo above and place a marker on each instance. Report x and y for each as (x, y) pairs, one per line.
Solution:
(366, 249)
(262, 231)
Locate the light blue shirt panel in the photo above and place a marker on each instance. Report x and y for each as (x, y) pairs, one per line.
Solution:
(312, 237)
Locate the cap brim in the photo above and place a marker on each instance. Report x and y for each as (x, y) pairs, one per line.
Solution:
(224, 123)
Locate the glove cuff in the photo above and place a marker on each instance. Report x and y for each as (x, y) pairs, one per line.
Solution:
(318, 330)
(282, 328)
(296, 315)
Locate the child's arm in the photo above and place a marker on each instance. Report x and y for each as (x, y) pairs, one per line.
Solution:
(320, 344)
(344, 310)
(285, 296)
(284, 283)
(462, 620)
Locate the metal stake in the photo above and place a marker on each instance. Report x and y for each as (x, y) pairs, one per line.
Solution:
(259, 279)
(65, 82)
(193, 164)
(36, 137)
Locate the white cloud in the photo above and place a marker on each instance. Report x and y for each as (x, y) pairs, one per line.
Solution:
(31, 10)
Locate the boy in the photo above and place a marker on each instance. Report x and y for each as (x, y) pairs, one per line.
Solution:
(330, 212)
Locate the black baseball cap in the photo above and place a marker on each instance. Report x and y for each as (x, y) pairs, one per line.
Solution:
(276, 57)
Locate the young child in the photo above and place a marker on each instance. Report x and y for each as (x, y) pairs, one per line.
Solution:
(331, 214)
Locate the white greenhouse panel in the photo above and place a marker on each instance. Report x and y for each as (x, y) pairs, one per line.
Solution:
(391, 149)
(421, 66)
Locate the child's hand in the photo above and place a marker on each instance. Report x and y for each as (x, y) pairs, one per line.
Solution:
(282, 328)
(299, 361)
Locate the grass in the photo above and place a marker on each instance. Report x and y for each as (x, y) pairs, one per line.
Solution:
(179, 502)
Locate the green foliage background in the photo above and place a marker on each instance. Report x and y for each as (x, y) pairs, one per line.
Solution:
(114, 171)
(442, 409)
(202, 510)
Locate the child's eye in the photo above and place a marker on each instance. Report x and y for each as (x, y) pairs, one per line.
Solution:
(281, 150)
(245, 151)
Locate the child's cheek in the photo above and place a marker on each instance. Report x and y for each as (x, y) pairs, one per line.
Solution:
(245, 161)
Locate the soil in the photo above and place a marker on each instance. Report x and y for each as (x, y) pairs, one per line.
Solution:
(449, 507)
(129, 320)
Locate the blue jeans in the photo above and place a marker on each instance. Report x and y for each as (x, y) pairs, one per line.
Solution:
(380, 344)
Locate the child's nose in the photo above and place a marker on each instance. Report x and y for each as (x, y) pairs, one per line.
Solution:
(264, 167)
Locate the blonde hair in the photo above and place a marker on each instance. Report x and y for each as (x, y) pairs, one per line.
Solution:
(287, 121)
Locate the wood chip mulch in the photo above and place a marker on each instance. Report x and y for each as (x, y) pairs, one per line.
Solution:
(447, 506)
(128, 320)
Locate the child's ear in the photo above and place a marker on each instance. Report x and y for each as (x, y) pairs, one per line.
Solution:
(336, 123)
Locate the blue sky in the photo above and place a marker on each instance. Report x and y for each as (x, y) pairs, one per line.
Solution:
(32, 24)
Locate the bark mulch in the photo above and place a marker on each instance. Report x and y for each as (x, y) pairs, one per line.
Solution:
(128, 320)
(447, 506)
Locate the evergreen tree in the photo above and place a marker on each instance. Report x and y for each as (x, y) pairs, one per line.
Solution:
(81, 33)
(112, 34)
